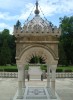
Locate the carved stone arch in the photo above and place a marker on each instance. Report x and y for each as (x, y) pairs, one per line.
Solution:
(41, 51)
(42, 46)
(36, 53)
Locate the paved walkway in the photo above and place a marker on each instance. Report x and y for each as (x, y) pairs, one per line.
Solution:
(8, 87)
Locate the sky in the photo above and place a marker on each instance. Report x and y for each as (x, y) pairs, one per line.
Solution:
(13, 10)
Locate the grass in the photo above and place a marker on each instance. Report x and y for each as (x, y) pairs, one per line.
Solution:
(11, 68)
(2, 68)
(62, 69)
(8, 68)
(66, 68)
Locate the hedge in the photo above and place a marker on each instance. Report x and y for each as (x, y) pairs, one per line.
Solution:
(68, 70)
(59, 70)
(9, 70)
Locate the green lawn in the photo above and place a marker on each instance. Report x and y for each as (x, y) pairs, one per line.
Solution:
(66, 68)
(14, 68)
(8, 68)
(60, 69)
(11, 68)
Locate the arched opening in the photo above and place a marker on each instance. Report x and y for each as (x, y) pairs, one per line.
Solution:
(36, 60)
(36, 68)
(38, 56)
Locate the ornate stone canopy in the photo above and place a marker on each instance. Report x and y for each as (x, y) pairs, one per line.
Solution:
(37, 26)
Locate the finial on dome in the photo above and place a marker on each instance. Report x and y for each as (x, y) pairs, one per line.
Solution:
(37, 10)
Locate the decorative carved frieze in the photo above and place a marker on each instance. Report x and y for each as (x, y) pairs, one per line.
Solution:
(37, 38)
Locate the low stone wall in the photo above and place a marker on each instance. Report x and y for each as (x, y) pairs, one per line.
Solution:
(64, 75)
(15, 75)
(8, 74)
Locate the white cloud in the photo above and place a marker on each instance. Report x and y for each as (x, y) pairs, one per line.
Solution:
(7, 16)
(25, 13)
(6, 26)
(50, 7)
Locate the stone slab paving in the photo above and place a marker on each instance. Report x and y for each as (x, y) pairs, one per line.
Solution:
(8, 87)
(36, 93)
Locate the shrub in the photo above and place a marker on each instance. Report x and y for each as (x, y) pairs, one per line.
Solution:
(1, 70)
(68, 70)
(10, 70)
(43, 67)
(59, 70)
(27, 67)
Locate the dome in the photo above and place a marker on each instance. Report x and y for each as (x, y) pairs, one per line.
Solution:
(37, 24)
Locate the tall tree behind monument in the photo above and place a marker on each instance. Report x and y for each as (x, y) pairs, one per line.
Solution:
(10, 45)
(5, 54)
(66, 38)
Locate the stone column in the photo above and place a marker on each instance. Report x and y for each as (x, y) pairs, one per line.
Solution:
(20, 80)
(53, 78)
(48, 76)
(23, 82)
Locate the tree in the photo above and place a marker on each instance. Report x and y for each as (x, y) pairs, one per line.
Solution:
(37, 59)
(5, 33)
(5, 55)
(66, 25)
(18, 24)
(11, 44)
(62, 55)
(0, 41)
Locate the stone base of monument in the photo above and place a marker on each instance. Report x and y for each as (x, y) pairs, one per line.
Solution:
(37, 93)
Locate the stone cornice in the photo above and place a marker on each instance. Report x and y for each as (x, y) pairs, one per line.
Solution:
(30, 42)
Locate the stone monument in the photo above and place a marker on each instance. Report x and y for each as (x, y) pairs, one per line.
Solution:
(37, 38)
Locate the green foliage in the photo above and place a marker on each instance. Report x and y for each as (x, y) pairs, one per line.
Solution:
(18, 24)
(5, 33)
(8, 68)
(62, 55)
(26, 67)
(7, 47)
(5, 55)
(68, 70)
(59, 70)
(43, 67)
(37, 59)
(66, 38)
(65, 68)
